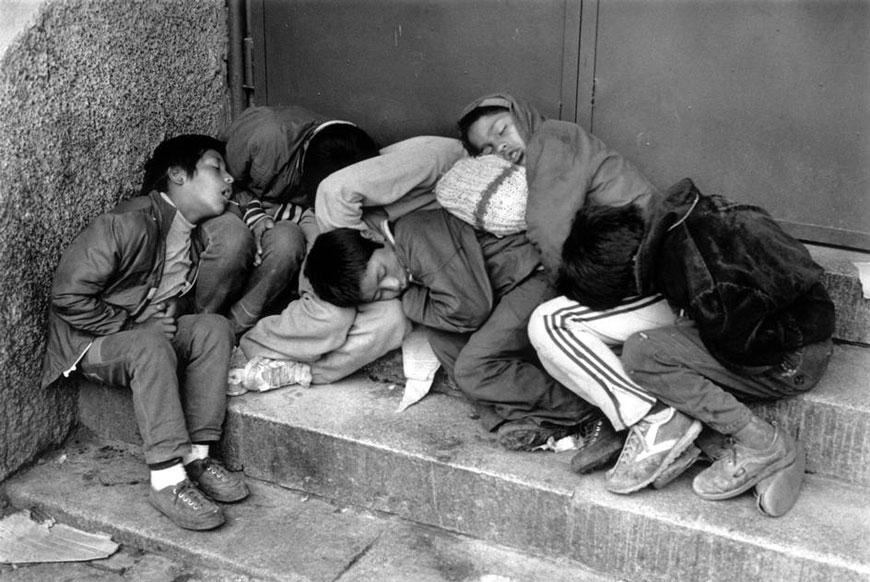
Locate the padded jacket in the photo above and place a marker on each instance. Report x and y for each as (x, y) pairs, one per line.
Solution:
(753, 291)
(106, 277)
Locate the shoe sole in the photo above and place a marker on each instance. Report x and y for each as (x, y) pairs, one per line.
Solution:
(227, 499)
(687, 439)
(608, 455)
(678, 467)
(766, 472)
(777, 494)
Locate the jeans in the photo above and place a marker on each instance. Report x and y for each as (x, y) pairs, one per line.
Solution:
(673, 365)
(179, 385)
(228, 283)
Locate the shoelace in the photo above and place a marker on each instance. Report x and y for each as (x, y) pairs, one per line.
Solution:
(217, 470)
(189, 494)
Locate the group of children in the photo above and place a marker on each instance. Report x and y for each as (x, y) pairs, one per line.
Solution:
(307, 246)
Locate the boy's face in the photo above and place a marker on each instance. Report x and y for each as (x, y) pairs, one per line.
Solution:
(385, 277)
(497, 133)
(207, 191)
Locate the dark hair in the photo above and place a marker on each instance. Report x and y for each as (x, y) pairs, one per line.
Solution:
(468, 120)
(332, 148)
(337, 263)
(183, 151)
(598, 255)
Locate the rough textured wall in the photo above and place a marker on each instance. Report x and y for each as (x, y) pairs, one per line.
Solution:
(85, 95)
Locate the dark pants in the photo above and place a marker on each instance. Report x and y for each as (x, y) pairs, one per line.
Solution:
(673, 365)
(179, 385)
(229, 284)
(498, 369)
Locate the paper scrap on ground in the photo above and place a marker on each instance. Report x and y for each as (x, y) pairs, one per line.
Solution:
(419, 364)
(568, 443)
(864, 277)
(25, 541)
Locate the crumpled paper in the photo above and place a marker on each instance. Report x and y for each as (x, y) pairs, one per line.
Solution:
(419, 364)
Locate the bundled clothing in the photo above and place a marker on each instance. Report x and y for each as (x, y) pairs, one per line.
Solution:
(474, 292)
(566, 167)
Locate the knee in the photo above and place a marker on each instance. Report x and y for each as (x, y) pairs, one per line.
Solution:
(285, 242)
(151, 344)
(213, 333)
(228, 239)
(636, 351)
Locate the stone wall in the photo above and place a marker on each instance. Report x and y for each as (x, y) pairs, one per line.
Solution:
(86, 92)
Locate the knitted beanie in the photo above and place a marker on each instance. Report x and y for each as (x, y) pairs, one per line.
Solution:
(487, 192)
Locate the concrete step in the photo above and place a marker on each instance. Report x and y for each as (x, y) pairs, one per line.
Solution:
(832, 420)
(842, 282)
(274, 535)
(434, 464)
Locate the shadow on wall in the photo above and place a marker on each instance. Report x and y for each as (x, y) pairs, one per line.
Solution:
(86, 92)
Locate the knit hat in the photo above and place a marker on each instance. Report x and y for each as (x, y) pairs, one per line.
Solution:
(487, 192)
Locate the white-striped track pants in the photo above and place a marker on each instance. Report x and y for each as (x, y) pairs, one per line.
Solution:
(573, 342)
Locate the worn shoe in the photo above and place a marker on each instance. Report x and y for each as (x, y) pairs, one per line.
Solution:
(653, 444)
(678, 467)
(777, 494)
(601, 446)
(187, 506)
(525, 435)
(742, 467)
(215, 481)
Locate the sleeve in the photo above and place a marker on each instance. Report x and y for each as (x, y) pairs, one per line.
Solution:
(86, 270)
(405, 169)
(450, 289)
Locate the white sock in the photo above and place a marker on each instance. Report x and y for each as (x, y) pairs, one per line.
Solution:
(196, 452)
(163, 478)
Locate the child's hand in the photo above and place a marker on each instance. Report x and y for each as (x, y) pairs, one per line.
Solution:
(259, 229)
(159, 317)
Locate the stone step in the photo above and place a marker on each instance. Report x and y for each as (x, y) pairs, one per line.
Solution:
(434, 464)
(832, 420)
(842, 282)
(275, 535)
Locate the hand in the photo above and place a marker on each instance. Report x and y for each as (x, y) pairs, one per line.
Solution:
(158, 317)
(259, 229)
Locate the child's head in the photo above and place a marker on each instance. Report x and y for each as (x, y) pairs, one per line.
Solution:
(190, 169)
(183, 151)
(491, 129)
(598, 255)
(332, 148)
(347, 268)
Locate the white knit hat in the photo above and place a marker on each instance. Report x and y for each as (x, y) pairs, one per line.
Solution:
(487, 192)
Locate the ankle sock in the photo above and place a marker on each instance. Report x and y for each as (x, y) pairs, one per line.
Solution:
(197, 451)
(169, 476)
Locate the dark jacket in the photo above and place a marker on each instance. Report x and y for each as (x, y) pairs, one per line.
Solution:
(458, 273)
(566, 167)
(753, 291)
(106, 277)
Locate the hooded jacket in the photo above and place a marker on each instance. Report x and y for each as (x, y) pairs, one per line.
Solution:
(566, 167)
(753, 291)
(107, 277)
(265, 151)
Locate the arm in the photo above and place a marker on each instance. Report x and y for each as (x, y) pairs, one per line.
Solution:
(450, 290)
(400, 178)
(86, 270)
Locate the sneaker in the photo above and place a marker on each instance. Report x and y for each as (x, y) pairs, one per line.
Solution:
(678, 467)
(601, 446)
(653, 444)
(525, 435)
(741, 468)
(215, 481)
(187, 506)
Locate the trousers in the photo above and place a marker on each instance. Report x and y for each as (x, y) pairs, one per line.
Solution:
(673, 365)
(179, 385)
